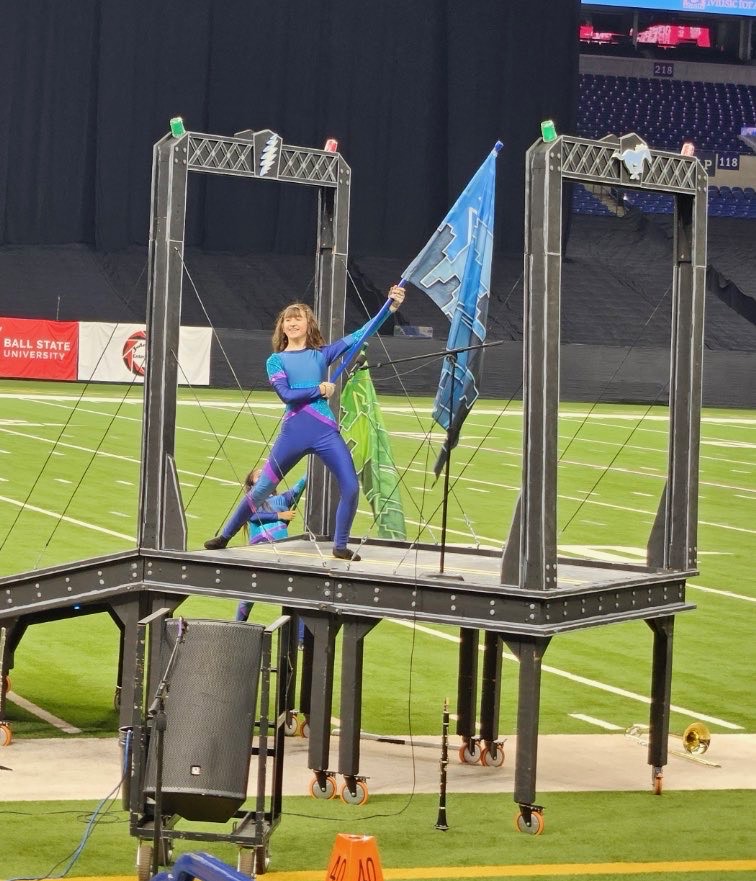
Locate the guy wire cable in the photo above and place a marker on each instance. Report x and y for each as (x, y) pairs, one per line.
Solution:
(614, 457)
(464, 513)
(245, 405)
(490, 430)
(627, 440)
(427, 439)
(78, 484)
(53, 449)
(411, 794)
(461, 473)
(397, 485)
(67, 422)
(453, 484)
(427, 447)
(202, 410)
(614, 375)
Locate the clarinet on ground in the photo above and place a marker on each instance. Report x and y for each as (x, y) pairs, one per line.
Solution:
(441, 821)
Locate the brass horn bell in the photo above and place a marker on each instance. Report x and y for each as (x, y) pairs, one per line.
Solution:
(696, 738)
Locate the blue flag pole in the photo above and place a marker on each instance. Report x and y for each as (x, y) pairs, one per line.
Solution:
(454, 270)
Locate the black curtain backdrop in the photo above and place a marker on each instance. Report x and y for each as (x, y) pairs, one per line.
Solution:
(416, 94)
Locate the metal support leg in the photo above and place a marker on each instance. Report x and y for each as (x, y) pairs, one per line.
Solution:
(467, 683)
(530, 654)
(661, 691)
(290, 659)
(324, 629)
(126, 612)
(6, 658)
(305, 686)
(352, 651)
(490, 695)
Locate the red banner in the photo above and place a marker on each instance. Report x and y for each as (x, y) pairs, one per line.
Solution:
(33, 348)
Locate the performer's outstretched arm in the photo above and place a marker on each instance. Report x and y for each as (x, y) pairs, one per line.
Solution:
(336, 350)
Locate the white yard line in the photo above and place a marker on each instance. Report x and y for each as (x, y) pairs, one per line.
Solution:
(745, 421)
(592, 720)
(27, 507)
(24, 704)
(210, 436)
(130, 459)
(723, 593)
(580, 680)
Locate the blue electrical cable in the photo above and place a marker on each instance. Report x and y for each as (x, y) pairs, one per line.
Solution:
(93, 820)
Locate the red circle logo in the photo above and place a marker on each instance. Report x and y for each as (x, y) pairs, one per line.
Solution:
(135, 352)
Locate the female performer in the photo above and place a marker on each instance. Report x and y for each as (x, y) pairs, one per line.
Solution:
(297, 370)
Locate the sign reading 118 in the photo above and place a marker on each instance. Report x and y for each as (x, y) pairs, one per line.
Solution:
(730, 161)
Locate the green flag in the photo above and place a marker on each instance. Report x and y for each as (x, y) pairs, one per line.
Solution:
(363, 429)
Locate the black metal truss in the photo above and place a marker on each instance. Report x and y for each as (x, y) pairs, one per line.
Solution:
(508, 610)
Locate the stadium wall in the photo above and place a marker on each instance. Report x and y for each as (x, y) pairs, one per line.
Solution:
(611, 374)
(233, 358)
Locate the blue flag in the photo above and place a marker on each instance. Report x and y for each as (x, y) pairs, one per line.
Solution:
(454, 269)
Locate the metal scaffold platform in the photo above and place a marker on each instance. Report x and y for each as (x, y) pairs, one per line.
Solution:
(521, 595)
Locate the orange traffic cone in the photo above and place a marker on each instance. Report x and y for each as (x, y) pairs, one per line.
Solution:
(354, 858)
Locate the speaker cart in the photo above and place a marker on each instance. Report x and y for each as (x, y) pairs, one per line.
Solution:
(210, 695)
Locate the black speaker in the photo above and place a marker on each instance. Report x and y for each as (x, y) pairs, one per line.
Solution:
(210, 713)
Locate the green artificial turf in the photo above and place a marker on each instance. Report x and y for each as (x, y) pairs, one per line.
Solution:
(74, 451)
(580, 828)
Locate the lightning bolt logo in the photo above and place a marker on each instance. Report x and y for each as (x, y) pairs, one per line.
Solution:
(268, 155)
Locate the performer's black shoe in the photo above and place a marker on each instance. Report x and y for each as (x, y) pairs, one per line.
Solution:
(346, 554)
(216, 543)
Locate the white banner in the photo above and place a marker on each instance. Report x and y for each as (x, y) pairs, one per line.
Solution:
(117, 353)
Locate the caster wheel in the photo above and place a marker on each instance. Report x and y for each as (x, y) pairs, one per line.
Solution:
(144, 861)
(358, 797)
(658, 784)
(291, 725)
(469, 753)
(327, 790)
(535, 827)
(489, 760)
(304, 728)
(6, 735)
(245, 862)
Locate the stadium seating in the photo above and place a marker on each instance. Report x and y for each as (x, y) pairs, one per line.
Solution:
(667, 112)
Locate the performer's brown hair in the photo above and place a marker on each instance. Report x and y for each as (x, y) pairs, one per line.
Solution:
(314, 339)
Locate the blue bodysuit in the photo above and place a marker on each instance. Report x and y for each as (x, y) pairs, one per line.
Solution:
(264, 525)
(309, 426)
